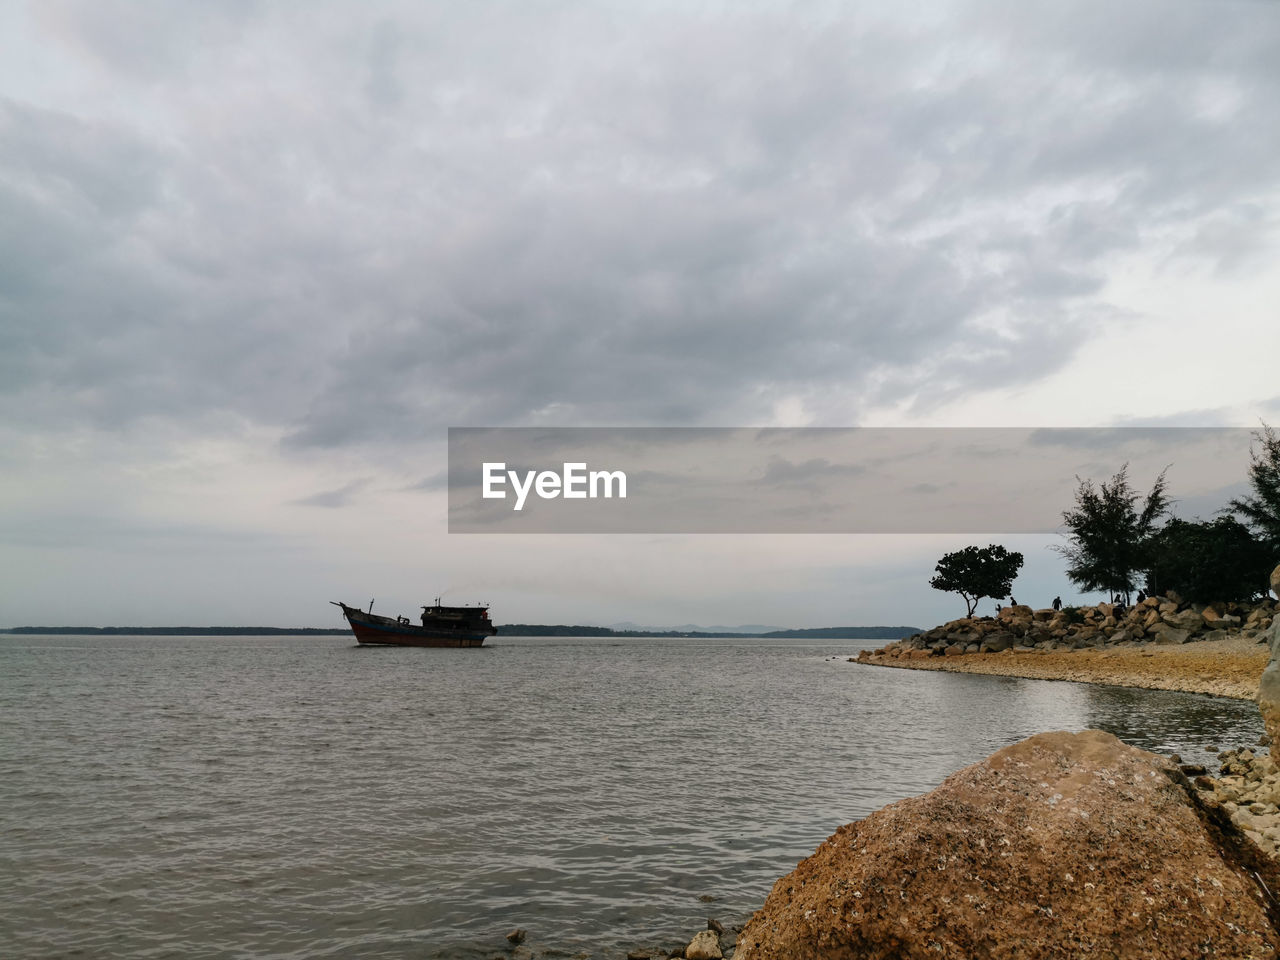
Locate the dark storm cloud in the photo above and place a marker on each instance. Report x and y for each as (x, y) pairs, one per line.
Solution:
(359, 225)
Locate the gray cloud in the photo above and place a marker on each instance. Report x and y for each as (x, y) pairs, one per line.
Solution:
(440, 480)
(343, 496)
(131, 534)
(415, 216)
(781, 471)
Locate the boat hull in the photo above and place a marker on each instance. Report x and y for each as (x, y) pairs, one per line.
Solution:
(371, 634)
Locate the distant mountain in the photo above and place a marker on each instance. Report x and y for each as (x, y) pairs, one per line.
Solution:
(844, 633)
(746, 628)
(813, 633)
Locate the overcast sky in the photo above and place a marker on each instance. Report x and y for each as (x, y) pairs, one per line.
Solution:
(256, 258)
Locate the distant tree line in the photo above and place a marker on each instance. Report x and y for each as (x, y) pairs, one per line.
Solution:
(183, 631)
(1118, 540)
(509, 629)
(816, 633)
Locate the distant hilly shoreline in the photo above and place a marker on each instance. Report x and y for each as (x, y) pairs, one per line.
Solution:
(814, 633)
(508, 629)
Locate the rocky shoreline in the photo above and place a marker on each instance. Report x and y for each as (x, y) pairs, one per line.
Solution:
(1162, 643)
(1247, 789)
(1064, 844)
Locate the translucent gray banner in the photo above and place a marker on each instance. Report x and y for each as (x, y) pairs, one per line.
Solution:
(819, 480)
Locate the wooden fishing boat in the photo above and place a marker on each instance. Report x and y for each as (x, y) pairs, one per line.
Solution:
(441, 626)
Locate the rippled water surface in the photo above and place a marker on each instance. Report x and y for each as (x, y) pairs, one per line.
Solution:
(299, 797)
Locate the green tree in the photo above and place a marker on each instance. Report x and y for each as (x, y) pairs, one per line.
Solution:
(977, 572)
(1261, 511)
(1109, 535)
(1208, 561)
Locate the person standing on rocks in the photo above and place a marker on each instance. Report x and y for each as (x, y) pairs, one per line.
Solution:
(1057, 603)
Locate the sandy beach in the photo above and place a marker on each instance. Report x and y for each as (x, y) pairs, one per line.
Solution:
(1225, 668)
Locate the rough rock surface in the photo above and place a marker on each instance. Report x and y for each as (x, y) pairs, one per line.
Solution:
(704, 946)
(1275, 581)
(1248, 791)
(1062, 845)
(1269, 690)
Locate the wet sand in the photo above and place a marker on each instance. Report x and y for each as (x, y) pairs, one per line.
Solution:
(1225, 668)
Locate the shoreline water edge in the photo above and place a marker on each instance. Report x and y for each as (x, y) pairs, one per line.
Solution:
(1063, 844)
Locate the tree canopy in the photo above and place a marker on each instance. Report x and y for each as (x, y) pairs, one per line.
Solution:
(1109, 533)
(1208, 561)
(1261, 510)
(977, 572)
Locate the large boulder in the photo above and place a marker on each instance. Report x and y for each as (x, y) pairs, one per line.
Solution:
(997, 642)
(1017, 611)
(1187, 620)
(1062, 845)
(1164, 633)
(1269, 690)
(1275, 581)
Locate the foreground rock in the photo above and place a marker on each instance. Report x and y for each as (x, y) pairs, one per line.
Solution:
(1269, 683)
(1063, 845)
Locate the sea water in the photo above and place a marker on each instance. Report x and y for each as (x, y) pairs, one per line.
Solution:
(301, 797)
